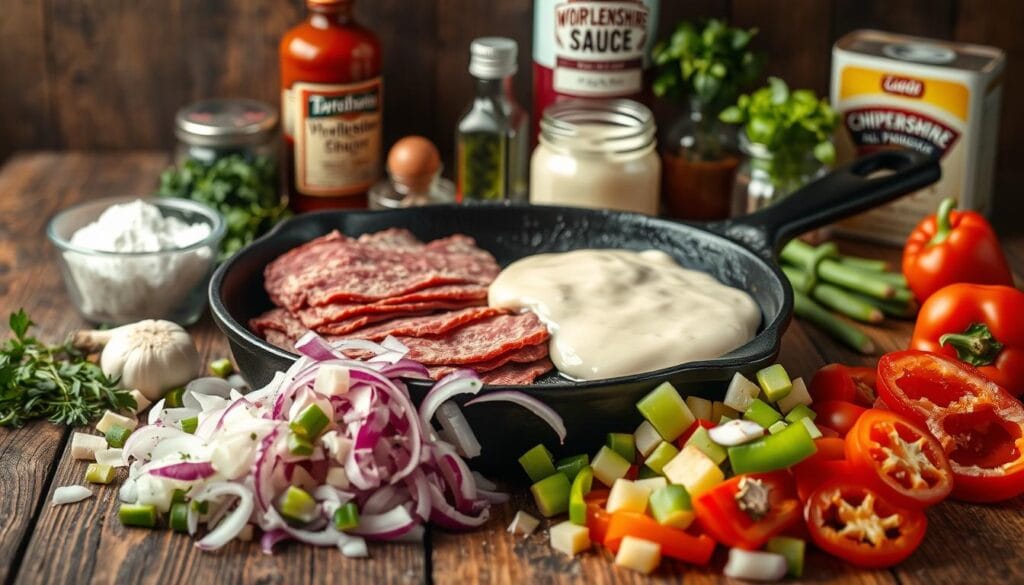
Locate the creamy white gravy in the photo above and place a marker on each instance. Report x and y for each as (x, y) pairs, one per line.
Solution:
(618, 312)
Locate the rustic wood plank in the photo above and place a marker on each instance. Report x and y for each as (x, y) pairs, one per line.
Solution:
(26, 112)
(926, 18)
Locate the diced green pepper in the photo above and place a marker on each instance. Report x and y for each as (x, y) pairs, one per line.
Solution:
(812, 429)
(299, 445)
(580, 488)
(789, 447)
(777, 428)
(202, 507)
(552, 494)
(702, 440)
(117, 435)
(800, 411)
(775, 382)
(179, 497)
(297, 505)
(667, 412)
(793, 550)
(179, 517)
(762, 413)
(661, 455)
(190, 424)
(310, 422)
(646, 473)
(143, 515)
(221, 368)
(173, 398)
(670, 505)
(609, 466)
(623, 444)
(97, 473)
(570, 466)
(346, 517)
(537, 463)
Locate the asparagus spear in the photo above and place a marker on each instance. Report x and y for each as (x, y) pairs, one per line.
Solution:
(835, 298)
(851, 336)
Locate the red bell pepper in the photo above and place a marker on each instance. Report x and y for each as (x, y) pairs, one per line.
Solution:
(720, 514)
(676, 544)
(981, 325)
(950, 247)
(854, 384)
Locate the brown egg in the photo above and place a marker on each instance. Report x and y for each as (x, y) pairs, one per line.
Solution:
(414, 160)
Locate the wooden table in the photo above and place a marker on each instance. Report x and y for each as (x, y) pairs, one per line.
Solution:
(85, 543)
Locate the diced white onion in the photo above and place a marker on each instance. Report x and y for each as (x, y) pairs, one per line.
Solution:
(70, 494)
(755, 565)
(736, 432)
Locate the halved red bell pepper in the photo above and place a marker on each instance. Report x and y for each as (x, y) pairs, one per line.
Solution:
(854, 384)
(720, 515)
(676, 544)
(828, 461)
(950, 247)
(978, 324)
(837, 415)
(979, 425)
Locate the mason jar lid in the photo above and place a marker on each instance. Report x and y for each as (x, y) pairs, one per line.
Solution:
(493, 57)
(225, 122)
(617, 126)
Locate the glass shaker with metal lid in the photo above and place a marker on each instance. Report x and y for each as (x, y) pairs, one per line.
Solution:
(209, 130)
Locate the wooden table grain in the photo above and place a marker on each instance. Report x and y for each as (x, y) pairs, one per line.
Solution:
(85, 543)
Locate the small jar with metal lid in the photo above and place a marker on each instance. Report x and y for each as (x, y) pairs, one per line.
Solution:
(597, 154)
(209, 130)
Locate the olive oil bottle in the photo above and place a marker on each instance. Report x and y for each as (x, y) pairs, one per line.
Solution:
(491, 138)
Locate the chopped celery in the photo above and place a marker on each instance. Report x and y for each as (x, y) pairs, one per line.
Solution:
(793, 551)
(173, 398)
(221, 368)
(569, 538)
(670, 506)
(623, 444)
(700, 407)
(812, 429)
(762, 413)
(577, 492)
(537, 463)
(628, 496)
(297, 505)
(652, 483)
(609, 466)
(800, 411)
(725, 418)
(143, 515)
(646, 438)
(646, 473)
(346, 517)
(552, 494)
(178, 519)
(787, 448)
(310, 422)
(299, 445)
(190, 424)
(694, 470)
(775, 382)
(777, 427)
(799, 395)
(661, 455)
(117, 435)
(667, 412)
(740, 393)
(97, 473)
(701, 440)
(570, 466)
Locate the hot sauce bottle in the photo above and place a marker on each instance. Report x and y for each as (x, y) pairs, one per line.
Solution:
(331, 102)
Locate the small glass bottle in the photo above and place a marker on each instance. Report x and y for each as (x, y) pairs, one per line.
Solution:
(765, 177)
(414, 177)
(491, 138)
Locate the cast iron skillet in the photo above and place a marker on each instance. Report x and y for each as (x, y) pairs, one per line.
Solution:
(740, 253)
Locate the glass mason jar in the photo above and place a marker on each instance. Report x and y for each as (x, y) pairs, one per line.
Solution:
(209, 130)
(765, 177)
(598, 154)
(699, 159)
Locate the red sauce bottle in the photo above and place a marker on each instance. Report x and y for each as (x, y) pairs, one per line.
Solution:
(331, 103)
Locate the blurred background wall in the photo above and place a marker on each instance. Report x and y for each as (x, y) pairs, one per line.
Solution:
(109, 74)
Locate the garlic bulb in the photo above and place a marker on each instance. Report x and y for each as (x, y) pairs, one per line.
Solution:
(152, 356)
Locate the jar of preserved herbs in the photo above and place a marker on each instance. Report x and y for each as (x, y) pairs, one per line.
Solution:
(209, 130)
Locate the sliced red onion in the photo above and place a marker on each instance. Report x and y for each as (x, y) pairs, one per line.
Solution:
(493, 497)
(457, 429)
(483, 483)
(153, 417)
(233, 524)
(444, 515)
(420, 494)
(270, 538)
(316, 347)
(386, 526)
(185, 471)
(543, 411)
(263, 469)
(141, 443)
(452, 385)
(460, 479)
(209, 386)
(405, 368)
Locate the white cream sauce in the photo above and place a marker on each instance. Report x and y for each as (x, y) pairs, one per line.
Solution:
(618, 312)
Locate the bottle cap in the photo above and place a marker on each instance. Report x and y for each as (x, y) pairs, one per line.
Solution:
(493, 57)
(414, 162)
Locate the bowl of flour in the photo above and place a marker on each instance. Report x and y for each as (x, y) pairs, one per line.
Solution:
(125, 259)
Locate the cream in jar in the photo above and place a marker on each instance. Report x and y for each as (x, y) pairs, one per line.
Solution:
(618, 312)
(598, 154)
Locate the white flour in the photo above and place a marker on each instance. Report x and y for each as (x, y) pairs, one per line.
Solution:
(127, 288)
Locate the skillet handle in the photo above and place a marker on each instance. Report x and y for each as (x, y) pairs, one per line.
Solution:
(846, 191)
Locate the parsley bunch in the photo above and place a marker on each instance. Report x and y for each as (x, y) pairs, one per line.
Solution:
(53, 382)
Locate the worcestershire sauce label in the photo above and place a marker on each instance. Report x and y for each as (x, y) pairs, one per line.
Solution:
(337, 133)
(599, 47)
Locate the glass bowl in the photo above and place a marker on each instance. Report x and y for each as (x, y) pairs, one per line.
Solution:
(115, 288)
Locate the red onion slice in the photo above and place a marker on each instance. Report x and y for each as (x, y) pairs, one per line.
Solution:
(316, 347)
(141, 443)
(386, 526)
(543, 411)
(452, 385)
(232, 524)
(184, 471)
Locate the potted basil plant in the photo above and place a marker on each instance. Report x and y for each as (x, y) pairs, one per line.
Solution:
(703, 68)
(786, 137)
